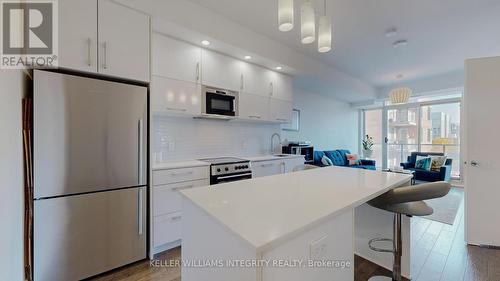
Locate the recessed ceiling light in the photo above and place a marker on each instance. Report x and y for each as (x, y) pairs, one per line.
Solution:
(279, 68)
(205, 42)
(248, 57)
(391, 32)
(400, 43)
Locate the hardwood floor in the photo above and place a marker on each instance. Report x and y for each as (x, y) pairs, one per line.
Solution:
(439, 253)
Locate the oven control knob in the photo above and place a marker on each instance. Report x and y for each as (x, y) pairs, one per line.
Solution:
(227, 169)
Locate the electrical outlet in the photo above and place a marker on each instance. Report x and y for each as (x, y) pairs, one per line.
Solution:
(319, 248)
(171, 146)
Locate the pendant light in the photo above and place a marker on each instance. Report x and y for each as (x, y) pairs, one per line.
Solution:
(285, 15)
(400, 95)
(308, 23)
(325, 33)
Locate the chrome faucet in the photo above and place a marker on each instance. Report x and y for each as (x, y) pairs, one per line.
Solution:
(272, 142)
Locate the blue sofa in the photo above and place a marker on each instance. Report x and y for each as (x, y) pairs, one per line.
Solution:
(339, 158)
(444, 173)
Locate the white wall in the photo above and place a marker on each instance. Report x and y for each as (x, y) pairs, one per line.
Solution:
(183, 138)
(326, 122)
(11, 181)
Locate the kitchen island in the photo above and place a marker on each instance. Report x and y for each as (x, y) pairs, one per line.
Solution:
(304, 225)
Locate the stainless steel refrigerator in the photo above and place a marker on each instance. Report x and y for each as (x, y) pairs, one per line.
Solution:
(90, 147)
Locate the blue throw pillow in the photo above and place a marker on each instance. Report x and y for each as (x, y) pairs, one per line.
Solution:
(423, 163)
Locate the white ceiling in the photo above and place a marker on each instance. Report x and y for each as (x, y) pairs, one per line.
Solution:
(441, 33)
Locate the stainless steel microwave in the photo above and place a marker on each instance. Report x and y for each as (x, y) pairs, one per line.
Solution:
(217, 101)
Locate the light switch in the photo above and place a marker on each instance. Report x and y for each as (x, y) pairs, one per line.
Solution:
(319, 248)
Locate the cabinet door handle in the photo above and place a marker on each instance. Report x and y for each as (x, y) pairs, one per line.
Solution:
(176, 109)
(197, 72)
(182, 187)
(105, 55)
(255, 116)
(181, 174)
(271, 88)
(176, 218)
(89, 55)
(281, 119)
(267, 165)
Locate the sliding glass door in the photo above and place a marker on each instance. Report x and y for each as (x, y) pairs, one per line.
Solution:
(402, 134)
(430, 126)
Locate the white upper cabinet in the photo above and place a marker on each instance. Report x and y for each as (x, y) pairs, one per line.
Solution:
(280, 110)
(253, 107)
(78, 34)
(124, 36)
(284, 87)
(176, 59)
(257, 80)
(221, 71)
(175, 97)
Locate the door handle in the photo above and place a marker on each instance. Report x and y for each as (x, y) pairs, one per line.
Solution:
(89, 55)
(105, 59)
(141, 151)
(197, 72)
(139, 213)
(474, 163)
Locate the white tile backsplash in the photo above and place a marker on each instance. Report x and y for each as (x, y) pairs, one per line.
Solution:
(182, 138)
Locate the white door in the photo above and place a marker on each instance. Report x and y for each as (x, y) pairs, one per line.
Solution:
(175, 96)
(257, 80)
(253, 107)
(267, 168)
(482, 96)
(176, 59)
(284, 87)
(280, 110)
(123, 41)
(221, 71)
(78, 34)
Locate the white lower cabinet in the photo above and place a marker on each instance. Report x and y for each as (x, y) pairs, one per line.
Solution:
(292, 164)
(275, 167)
(267, 168)
(167, 203)
(167, 229)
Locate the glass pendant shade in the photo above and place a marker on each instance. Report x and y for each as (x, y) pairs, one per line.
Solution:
(325, 34)
(400, 95)
(308, 23)
(285, 15)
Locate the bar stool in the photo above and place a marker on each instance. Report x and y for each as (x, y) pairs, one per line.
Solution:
(404, 201)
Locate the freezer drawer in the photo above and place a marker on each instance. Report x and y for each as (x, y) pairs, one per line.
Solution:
(80, 236)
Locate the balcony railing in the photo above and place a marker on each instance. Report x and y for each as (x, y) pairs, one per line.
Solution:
(398, 153)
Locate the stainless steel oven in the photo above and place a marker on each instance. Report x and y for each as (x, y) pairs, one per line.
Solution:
(228, 169)
(218, 101)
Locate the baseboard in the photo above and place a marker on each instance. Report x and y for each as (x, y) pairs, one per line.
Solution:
(165, 247)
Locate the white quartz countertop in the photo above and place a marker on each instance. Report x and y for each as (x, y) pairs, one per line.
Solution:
(179, 164)
(267, 211)
(198, 163)
(272, 157)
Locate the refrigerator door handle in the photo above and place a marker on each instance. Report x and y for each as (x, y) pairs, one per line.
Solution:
(139, 213)
(141, 152)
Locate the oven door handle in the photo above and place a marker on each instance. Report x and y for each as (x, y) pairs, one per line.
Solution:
(234, 176)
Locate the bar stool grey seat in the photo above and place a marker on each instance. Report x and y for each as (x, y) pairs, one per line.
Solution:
(404, 201)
